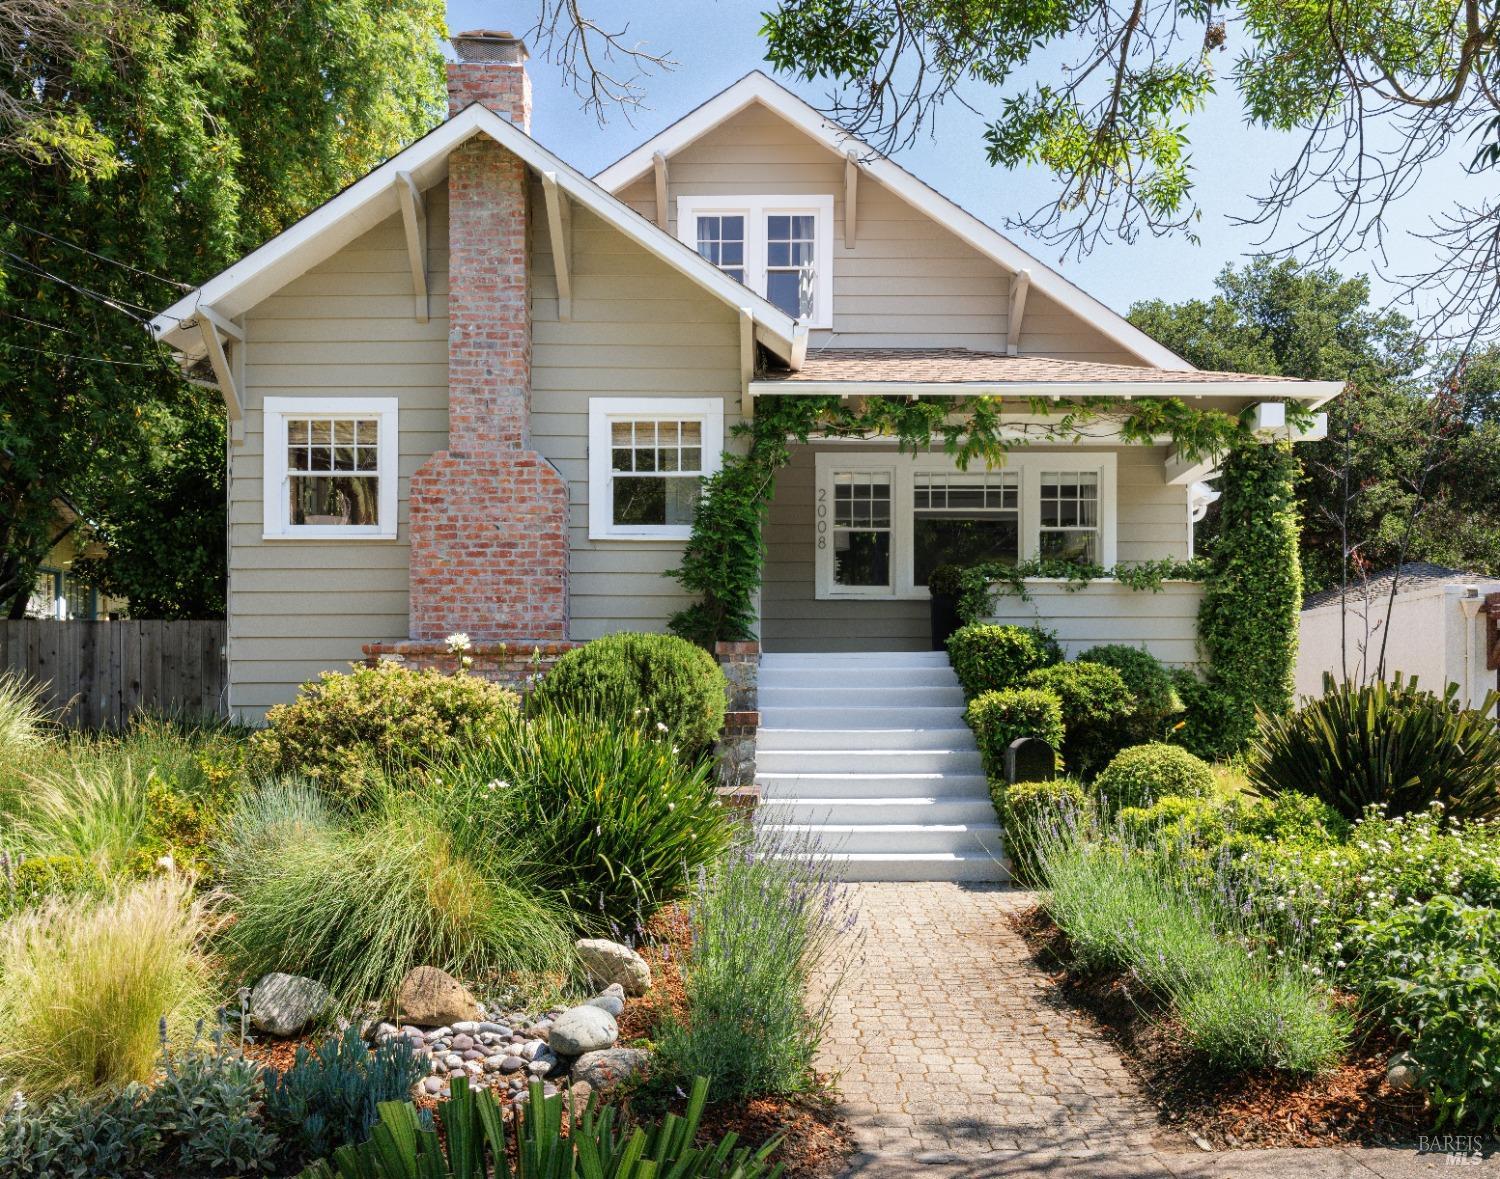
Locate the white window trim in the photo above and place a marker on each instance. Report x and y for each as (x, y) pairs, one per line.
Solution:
(275, 411)
(603, 411)
(755, 210)
(902, 467)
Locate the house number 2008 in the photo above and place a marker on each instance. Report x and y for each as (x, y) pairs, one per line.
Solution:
(822, 517)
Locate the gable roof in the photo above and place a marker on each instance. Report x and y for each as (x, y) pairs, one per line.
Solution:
(757, 87)
(919, 370)
(1415, 575)
(372, 199)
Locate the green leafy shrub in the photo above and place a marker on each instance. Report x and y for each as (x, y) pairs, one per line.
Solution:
(946, 580)
(84, 984)
(1096, 710)
(1387, 745)
(358, 902)
(1150, 683)
(198, 1119)
(1434, 969)
(614, 820)
(1142, 774)
(988, 658)
(331, 1095)
(762, 924)
(1211, 725)
(346, 729)
(998, 718)
(647, 679)
(1241, 1008)
(31, 881)
(472, 1143)
(1030, 812)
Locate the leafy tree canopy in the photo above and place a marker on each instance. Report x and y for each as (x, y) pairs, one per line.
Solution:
(1275, 317)
(164, 139)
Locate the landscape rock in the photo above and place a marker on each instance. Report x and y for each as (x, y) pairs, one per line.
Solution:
(430, 997)
(512, 1064)
(1402, 1072)
(583, 1029)
(612, 1000)
(284, 1004)
(609, 962)
(609, 1067)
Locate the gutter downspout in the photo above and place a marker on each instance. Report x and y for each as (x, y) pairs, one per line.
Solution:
(1471, 604)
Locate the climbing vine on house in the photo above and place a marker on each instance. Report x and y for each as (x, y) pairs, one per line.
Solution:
(721, 562)
(1249, 618)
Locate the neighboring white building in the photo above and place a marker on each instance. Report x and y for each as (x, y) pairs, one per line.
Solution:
(1436, 631)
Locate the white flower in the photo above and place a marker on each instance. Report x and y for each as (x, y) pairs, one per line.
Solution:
(458, 642)
(166, 863)
(660, 728)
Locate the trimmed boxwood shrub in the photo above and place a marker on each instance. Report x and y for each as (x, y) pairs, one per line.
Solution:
(347, 728)
(656, 680)
(998, 718)
(1143, 774)
(1149, 681)
(1029, 812)
(987, 657)
(1096, 710)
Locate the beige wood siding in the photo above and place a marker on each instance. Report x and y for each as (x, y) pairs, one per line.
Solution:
(1151, 524)
(638, 329)
(907, 283)
(345, 328)
(1163, 622)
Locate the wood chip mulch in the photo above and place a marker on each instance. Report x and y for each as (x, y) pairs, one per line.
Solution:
(1351, 1106)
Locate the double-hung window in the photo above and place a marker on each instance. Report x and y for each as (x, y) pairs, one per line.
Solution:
(780, 247)
(883, 522)
(330, 468)
(648, 457)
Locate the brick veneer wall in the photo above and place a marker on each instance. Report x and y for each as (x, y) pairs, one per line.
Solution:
(489, 515)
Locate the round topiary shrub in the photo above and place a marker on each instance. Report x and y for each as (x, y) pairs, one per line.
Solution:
(1033, 812)
(1097, 709)
(998, 718)
(346, 729)
(659, 680)
(987, 657)
(1149, 681)
(1143, 774)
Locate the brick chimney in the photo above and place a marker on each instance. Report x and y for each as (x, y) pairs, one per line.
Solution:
(489, 515)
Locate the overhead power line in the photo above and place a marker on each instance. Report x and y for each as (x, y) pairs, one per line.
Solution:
(171, 282)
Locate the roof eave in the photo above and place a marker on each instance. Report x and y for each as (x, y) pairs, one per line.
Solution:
(1312, 394)
(372, 198)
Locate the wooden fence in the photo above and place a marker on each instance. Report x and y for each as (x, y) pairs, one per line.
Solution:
(96, 674)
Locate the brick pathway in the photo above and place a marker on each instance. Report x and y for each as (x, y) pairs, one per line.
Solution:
(956, 1062)
(948, 1042)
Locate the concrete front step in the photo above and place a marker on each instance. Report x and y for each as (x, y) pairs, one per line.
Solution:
(787, 739)
(964, 762)
(886, 838)
(822, 677)
(929, 808)
(882, 716)
(798, 784)
(775, 661)
(897, 866)
(902, 697)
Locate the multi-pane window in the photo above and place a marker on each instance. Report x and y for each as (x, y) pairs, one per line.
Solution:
(963, 518)
(861, 528)
(330, 468)
(1069, 502)
(648, 457)
(721, 239)
(333, 471)
(657, 467)
(791, 254)
(781, 247)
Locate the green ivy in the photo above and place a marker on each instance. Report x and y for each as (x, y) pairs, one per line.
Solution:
(984, 582)
(1248, 621)
(722, 560)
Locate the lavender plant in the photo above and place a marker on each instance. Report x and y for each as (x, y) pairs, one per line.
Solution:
(768, 924)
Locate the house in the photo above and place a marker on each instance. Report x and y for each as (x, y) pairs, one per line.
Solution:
(58, 592)
(477, 391)
(1440, 627)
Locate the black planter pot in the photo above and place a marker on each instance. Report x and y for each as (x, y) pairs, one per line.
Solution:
(944, 619)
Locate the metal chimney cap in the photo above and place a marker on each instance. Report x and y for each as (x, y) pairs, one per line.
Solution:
(490, 45)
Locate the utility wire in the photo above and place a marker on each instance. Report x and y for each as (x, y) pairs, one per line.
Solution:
(51, 327)
(71, 356)
(121, 305)
(171, 282)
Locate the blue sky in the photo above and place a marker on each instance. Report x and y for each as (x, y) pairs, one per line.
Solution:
(716, 41)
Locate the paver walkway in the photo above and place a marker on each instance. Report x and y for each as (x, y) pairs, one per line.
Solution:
(954, 1059)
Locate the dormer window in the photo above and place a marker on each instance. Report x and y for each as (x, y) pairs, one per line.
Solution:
(780, 247)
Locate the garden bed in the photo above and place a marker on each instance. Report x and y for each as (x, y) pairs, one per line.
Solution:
(1351, 1105)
